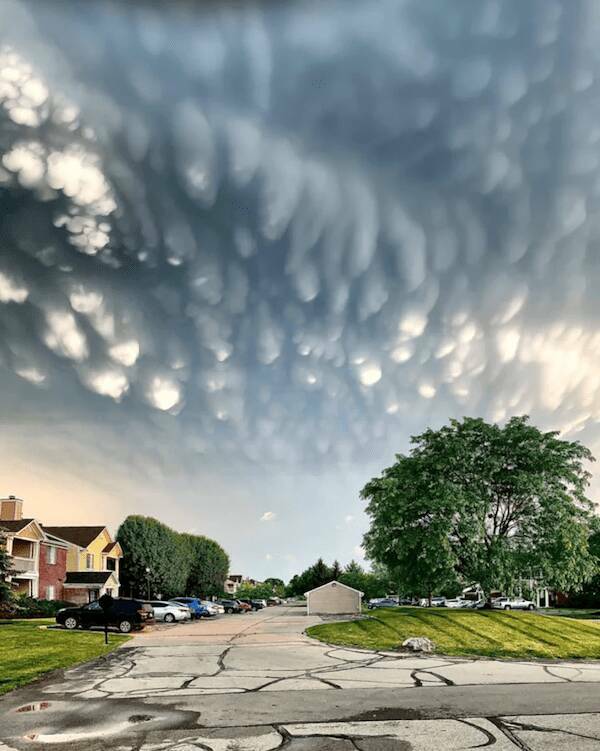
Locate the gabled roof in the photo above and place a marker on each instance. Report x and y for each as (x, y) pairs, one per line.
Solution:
(15, 525)
(113, 547)
(335, 584)
(80, 536)
(87, 577)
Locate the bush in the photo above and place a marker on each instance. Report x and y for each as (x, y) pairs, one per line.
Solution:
(30, 607)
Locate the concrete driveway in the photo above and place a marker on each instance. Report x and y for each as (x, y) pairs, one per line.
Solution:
(257, 682)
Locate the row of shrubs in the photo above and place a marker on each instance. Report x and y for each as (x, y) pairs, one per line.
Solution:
(30, 607)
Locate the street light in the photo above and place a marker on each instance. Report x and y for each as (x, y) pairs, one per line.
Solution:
(148, 572)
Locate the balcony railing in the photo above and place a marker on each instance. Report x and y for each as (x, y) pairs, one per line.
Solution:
(24, 565)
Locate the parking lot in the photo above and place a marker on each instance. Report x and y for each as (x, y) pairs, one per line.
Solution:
(257, 679)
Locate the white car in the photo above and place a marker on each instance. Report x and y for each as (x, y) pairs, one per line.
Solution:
(512, 603)
(436, 602)
(457, 602)
(170, 612)
(213, 607)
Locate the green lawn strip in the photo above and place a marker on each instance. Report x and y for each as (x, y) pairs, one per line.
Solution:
(465, 637)
(28, 651)
(447, 629)
(485, 633)
(560, 631)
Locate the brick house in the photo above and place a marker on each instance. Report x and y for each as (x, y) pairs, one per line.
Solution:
(77, 564)
(92, 562)
(52, 568)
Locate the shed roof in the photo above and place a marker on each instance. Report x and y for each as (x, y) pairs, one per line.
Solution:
(336, 584)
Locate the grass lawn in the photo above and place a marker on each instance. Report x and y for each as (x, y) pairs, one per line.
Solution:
(27, 651)
(466, 632)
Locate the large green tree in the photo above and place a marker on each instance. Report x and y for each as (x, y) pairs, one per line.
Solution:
(178, 563)
(476, 502)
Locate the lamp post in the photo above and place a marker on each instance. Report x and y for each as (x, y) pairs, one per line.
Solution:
(148, 579)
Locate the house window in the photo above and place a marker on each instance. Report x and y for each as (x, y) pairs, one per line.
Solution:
(94, 594)
(89, 560)
(50, 589)
(110, 564)
(109, 591)
(51, 557)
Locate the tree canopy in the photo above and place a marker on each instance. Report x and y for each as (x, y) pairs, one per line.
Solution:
(178, 563)
(6, 566)
(476, 502)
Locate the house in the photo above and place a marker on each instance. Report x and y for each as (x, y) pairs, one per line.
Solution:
(333, 598)
(92, 562)
(232, 583)
(235, 581)
(23, 540)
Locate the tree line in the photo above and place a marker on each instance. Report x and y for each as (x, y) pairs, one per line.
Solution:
(159, 560)
(375, 583)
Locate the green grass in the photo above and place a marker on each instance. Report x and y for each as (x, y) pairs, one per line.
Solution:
(27, 650)
(487, 633)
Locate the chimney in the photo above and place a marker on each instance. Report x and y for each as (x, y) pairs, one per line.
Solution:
(11, 509)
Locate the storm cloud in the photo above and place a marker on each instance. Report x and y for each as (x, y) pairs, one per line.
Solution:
(263, 243)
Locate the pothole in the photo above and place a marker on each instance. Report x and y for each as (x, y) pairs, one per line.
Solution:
(135, 718)
(36, 707)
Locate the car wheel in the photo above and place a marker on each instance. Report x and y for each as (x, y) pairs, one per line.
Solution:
(125, 627)
(229, 610)
(531, 607)
(169, 618)
(71, 622)
(507, 607)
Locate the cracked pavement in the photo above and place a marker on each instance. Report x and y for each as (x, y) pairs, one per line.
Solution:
(257, 682)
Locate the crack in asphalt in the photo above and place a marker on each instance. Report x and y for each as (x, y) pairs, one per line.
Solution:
(507, 732)
(516, 725)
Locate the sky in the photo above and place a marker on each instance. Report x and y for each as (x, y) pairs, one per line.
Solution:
(247, 250)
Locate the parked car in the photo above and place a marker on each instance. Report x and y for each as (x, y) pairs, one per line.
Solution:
(254, 604)
(274, 601)
(199, 610)
(457, 602)
(436, 602)
(231, 606)
(245, 606)
(385, 602)
(170, 611)
(125, 614)
(512, 603)
(214, 608)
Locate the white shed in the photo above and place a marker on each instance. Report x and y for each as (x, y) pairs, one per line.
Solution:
(333, 598)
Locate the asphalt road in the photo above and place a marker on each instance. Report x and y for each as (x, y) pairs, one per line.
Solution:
(255, 683)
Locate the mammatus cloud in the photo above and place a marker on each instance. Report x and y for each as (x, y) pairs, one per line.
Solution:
(300, 276)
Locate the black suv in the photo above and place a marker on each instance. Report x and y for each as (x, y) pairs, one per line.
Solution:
(231, 606)
(125, 614)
